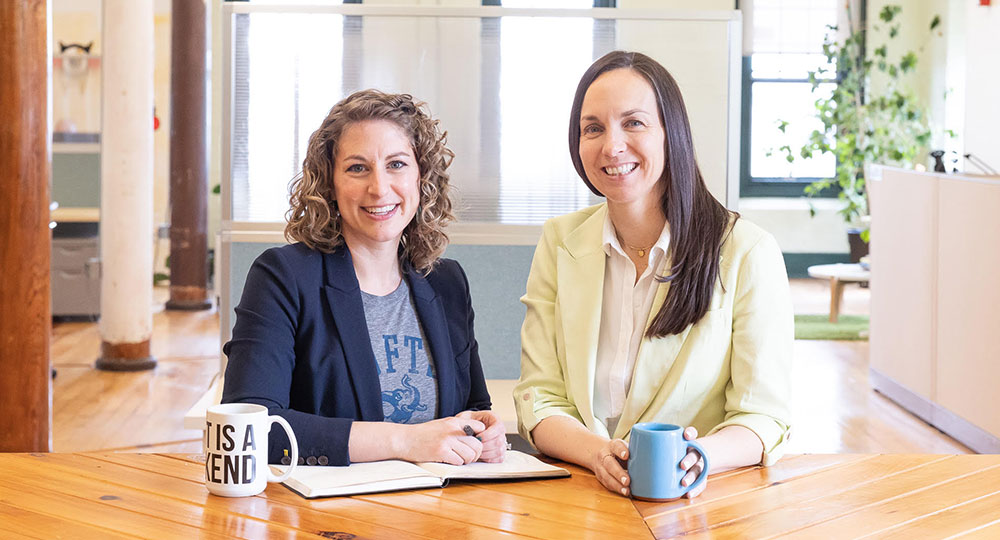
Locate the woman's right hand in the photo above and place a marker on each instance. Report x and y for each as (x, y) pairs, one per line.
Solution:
(608, 466)
(443, 440)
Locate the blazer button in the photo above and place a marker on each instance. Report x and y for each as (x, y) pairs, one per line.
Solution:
(301, 461)
(286, 460)
(311, 460)
(323, 460)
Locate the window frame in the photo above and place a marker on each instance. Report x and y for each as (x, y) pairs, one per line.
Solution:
(751, 186)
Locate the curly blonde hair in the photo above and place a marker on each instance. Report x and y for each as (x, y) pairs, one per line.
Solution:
(313, 218)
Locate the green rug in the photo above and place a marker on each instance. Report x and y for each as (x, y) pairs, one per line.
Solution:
(848, 327)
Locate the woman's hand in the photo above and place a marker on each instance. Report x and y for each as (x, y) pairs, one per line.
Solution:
(443, 440)
(494, 437)
(609, 466)
(693, 464)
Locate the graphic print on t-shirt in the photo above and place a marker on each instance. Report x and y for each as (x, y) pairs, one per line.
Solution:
(400, 404)
(405, 369)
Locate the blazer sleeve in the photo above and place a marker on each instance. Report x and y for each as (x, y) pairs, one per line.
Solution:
(479, 396)
(759, 391)
(262, 361)
(541, 390)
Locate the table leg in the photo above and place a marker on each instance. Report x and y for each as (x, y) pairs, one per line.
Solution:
(836, 296)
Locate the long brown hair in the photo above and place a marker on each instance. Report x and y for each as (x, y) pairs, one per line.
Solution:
(698, 222)
(313, 218)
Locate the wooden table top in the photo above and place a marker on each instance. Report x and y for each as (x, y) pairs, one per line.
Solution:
(808, 496)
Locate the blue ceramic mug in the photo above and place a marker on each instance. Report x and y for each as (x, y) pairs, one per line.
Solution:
(655, 452)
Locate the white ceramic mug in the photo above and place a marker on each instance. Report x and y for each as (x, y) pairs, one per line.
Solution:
(236, 449)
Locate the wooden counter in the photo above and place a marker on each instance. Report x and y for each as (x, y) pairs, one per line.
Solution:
(935, 299)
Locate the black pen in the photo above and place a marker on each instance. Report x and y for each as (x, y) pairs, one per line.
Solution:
(470, 432)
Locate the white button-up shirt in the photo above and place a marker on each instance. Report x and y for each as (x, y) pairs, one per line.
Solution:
(624, 312)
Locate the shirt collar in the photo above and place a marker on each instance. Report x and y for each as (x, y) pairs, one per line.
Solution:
(609, 238)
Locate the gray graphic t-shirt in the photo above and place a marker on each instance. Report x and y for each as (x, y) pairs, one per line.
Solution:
(405, 368)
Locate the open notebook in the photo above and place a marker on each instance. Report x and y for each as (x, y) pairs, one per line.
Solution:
(378, 476)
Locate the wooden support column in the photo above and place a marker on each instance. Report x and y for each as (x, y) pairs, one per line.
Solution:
(127, 186)
(25, 238)
(188, 160)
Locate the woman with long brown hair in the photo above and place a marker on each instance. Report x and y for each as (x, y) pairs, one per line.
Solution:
(359, 334)
(659, 305)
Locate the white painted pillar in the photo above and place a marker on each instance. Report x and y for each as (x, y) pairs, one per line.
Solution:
(127, 186)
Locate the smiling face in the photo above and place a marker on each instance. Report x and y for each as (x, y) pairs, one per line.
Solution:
(376, 182)
(622, 139)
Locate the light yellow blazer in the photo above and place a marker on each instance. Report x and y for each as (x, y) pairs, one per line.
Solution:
(731, 367)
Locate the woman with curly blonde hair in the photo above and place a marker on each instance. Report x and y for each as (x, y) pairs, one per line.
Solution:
(359, 334)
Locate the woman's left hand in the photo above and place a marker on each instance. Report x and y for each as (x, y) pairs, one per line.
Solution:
(693, 464)
(494, 437)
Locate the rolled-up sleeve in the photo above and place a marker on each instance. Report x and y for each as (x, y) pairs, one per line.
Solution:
(758, 395)
(541, 390)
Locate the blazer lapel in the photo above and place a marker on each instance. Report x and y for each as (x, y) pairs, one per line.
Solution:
(580, 279)
(343, 297)
(435, 326)
(654, 360)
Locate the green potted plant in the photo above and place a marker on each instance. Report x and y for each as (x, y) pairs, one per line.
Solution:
(860, 124)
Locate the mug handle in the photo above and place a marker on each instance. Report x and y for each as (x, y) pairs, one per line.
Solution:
(271, 477)
(704, 470)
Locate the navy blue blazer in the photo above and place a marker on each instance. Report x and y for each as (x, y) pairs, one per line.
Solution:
(300, 347)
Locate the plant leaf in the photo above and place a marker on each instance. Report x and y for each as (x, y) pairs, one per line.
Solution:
(888, 12)
(935, 21)
(908, 61)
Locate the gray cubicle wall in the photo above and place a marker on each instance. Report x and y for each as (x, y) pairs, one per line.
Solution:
(497, 274)
(76, 174)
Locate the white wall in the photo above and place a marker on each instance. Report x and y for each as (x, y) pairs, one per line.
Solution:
(982, 79)
(76, 100)
(928, 81)
(788, 220)
(954, 74)
(958, 72)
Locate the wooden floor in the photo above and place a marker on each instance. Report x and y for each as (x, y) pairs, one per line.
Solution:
(835, 408)
(100, 410)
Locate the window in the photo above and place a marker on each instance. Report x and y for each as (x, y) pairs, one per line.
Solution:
(283, 91)
(504, 105)
(787, 45)
(528, 173)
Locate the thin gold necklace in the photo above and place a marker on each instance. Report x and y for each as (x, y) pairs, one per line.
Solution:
(640, 250)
